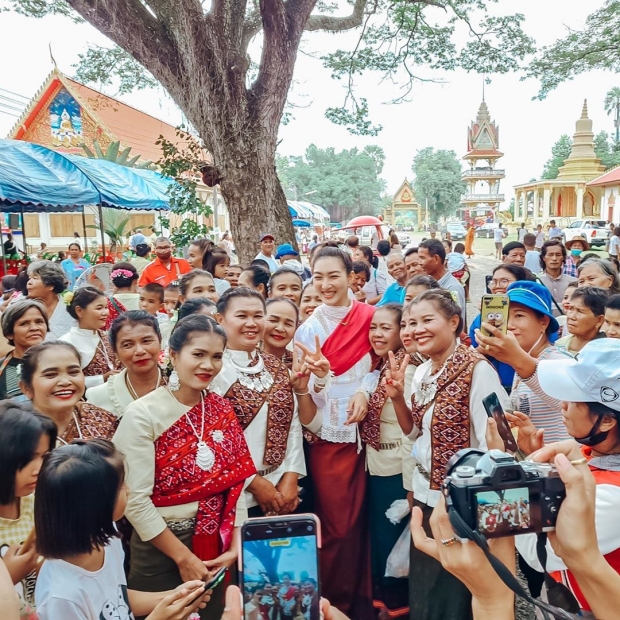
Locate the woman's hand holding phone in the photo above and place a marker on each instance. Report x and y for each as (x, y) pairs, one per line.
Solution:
(529, 438)
(181, 602)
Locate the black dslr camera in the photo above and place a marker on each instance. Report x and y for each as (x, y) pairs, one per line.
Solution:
(498, 496)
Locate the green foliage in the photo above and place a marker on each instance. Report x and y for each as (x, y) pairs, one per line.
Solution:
(438, 180)
(604, 149)
(41, 8)
(100, 64)
(346, 183)
(559, 152)
(612, 106)
(597, 46)
(182, 161)
(114, 154)
(115, 223)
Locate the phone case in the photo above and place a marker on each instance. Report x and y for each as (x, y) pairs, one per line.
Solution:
(494, 310)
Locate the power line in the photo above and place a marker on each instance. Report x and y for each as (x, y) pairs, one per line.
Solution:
(9, 114)
(10, 92)
(11, 107)
(12, 100)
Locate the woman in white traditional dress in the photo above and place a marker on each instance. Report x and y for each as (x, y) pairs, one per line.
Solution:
(187, 462)
(136, 340)
(89, 306)
(265, 397)
(338, 330)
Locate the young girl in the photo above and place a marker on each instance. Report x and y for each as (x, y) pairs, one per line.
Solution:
(53, 380)
(385, 454)
(187, 461)
(280, 325)
(310, 301)
(89, 307)
(286, 283)
(80, 493)
(216, 262)
(25, 437)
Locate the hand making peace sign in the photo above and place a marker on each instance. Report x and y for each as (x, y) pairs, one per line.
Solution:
(394, 380)
(315, 360)
(300, 373)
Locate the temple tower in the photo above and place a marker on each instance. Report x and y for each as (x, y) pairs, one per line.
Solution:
(482, 155)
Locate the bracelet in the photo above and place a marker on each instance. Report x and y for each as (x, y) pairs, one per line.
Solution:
(582, 461)
(320, 383)
(302, 393)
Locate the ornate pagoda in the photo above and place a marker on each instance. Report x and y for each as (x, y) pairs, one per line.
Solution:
(482, 177)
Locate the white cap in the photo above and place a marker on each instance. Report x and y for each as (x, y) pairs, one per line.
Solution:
(593, 376)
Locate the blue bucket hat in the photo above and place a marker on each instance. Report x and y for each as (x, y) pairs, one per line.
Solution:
(286, 249)
(534, 296)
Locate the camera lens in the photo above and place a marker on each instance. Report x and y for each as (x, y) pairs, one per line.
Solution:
(309, 528)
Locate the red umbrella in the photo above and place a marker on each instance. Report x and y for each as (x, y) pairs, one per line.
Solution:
(363, 220)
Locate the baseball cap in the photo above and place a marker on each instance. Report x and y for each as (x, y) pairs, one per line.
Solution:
(534, 296)
(286, 249)
(593, 376)
(267, 236)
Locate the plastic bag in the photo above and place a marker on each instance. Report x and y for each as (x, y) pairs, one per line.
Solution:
(398, 511)
(397, 564)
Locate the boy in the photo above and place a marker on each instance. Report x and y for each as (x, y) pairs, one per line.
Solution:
(171, 299)
(152, 299)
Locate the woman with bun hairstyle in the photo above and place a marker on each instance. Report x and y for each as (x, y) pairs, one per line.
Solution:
(124, 277)
(256, 277)
(89, 306)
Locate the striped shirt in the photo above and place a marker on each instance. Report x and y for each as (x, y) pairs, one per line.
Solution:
(545, 412)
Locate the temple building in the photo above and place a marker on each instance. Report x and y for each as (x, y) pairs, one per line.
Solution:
(482, 177)
(64, 115)
(404, 203)
(570, 195)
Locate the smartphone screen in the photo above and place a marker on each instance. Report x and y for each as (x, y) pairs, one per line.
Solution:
(494, 311)
(280, 567)
(494, 410)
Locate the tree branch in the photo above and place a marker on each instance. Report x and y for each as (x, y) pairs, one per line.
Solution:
(337, 24)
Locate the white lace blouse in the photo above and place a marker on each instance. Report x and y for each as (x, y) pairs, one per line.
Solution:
(329, 423)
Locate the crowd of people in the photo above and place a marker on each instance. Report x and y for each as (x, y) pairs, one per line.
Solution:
(140, 428)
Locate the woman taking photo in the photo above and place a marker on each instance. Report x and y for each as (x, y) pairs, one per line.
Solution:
(125, 297)
(377, 282)
(89, 306)
(75, 265)
(385, 454)
(53, 380)
(265, 397)
(24, 325)
(46, 282)
(184, 524)
(136, 341)
(531, 324)
(257, 278)
(340, 327)
(447, 402)
(280, 325)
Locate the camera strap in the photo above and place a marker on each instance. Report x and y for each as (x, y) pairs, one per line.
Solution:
(464, 531)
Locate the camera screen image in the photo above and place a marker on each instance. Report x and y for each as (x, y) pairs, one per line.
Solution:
(503, 512)
(280, 578)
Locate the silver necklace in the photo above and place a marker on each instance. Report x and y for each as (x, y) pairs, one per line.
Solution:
(77, 426)
(255, 378)
(205, 458)
(427, 389)
(132, 390)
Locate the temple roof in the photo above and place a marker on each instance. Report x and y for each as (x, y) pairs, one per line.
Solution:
(483, 135)
(114, 119)
(609, 178)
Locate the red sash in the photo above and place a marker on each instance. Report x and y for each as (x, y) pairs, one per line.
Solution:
(116, 308)
(349, 342)
(179, 481)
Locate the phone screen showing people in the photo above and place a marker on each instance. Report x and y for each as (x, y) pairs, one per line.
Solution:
(504, 512)
(494, 410)
(280, 569)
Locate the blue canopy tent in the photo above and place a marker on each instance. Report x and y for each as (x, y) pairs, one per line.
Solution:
(34, 178)
(301, 224)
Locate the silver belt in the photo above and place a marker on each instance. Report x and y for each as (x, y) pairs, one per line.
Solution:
(180, 525)
(266, 472)
(423, 471)
(390, 446)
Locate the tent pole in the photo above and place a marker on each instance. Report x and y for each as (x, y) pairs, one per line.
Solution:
(2, 243)
(24, 232)
(102, 233)
(84, 227)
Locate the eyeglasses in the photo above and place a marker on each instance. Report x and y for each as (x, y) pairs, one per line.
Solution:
(503, 282)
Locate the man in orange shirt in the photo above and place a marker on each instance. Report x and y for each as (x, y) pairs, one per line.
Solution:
(165, 268)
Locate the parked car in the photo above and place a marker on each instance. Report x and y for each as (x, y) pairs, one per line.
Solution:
(456, 229)
(404, 238)
(595, 231)
(486, 230)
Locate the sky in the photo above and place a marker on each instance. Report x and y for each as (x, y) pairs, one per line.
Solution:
(437, 115)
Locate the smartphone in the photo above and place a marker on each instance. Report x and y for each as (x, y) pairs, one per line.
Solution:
(494, 310)
(279, 566)
(494, 410)
(216, 579)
